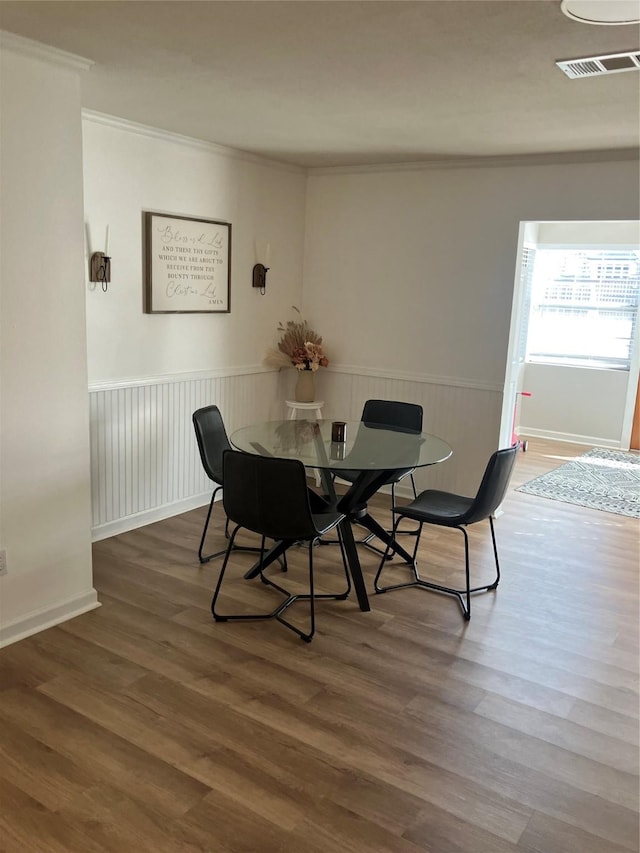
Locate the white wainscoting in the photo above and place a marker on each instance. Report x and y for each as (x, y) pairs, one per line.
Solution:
(145, 464)
(464, 413)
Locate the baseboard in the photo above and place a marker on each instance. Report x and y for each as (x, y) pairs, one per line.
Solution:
(39, 620)
(158, 513)
(140, 519)
(570, 438)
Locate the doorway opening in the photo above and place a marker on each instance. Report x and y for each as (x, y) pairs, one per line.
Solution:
(575, 330)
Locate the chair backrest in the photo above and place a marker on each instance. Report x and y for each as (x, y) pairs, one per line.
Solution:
(268, 496)
(212, 440)
(493, 487)
(404, 417)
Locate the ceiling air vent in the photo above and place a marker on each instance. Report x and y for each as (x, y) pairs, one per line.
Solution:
(595, 66)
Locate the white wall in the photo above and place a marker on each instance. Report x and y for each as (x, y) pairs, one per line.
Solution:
(44, 434)
(129, 169)
(149, 372)
(573, 404)
(411, 274)
(584, 234)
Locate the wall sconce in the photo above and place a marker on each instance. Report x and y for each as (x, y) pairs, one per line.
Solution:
(260, 269)
(100, 268)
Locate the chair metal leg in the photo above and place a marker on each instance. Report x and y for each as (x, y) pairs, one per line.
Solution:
(495, 554)
(202, 558)
(386, 556)
(463, 595)
(307, 637)
(367, 539)
(345, 566)
(231, 617)
(223, 569)
(416, 531)
(213, 556)
(290, 598)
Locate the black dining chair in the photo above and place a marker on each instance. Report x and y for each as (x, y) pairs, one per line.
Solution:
(393, 415)
(212, 439)
(270, 497)
(451, 510)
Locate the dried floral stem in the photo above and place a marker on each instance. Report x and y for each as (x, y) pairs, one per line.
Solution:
(300, 346)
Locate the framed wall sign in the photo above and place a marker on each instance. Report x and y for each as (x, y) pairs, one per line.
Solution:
(187, 265)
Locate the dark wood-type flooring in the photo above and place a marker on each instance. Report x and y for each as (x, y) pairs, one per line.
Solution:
(143, 726)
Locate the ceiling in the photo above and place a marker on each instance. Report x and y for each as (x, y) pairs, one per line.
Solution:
(345, 83)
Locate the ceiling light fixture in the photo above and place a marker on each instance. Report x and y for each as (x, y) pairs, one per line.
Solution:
(603, 12)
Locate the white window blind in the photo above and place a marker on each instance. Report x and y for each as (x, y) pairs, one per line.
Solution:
(584, 307)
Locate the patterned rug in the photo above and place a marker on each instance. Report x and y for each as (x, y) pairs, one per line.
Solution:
(608, 480)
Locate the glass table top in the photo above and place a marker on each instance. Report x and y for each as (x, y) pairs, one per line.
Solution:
(367, 448)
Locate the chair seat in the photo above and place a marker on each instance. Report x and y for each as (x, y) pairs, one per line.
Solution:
(324, 521)
(321, 524)
(434, 507)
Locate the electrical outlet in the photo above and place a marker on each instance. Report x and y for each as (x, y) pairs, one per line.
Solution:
(3, 562)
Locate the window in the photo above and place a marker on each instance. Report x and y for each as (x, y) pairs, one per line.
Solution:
(584, 305)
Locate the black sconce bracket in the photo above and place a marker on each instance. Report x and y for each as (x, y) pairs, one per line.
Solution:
(100, 269)
(260, 277)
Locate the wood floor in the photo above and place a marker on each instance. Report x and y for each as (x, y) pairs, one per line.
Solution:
(144, 726)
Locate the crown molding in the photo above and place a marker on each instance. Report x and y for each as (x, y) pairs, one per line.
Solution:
(558, 158)
(37, 50)
(189, 141)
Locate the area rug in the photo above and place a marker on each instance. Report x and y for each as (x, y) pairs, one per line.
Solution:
(608, 480)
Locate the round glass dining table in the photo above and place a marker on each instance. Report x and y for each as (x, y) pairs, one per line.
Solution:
(366, 448)
(370, 452)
